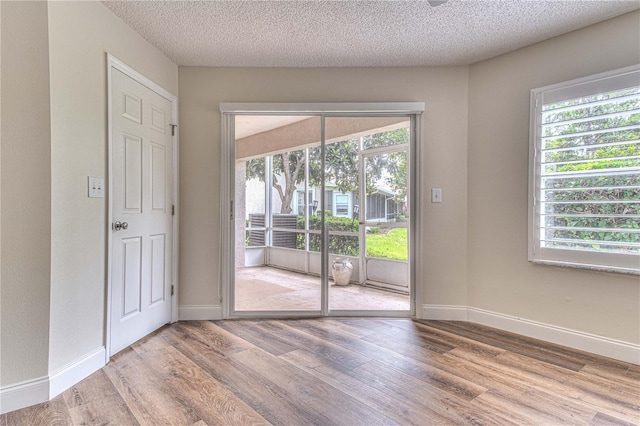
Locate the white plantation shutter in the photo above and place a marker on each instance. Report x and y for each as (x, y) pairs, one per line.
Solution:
(585, 173)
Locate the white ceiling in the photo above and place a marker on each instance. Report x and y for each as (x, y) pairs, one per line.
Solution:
(322, 33)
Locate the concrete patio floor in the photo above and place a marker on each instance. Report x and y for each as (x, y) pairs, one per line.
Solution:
(266, 288)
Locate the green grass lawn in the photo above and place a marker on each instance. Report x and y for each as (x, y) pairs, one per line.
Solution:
(392, 245)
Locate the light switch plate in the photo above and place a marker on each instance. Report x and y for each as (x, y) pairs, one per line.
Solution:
(96, 187)
(436, 195)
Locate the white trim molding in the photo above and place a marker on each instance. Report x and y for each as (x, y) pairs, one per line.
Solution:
(444, 312)
(74, 372)
(199, 312)
(25, 394)
(43, 389)
(612, 348)
(320, 108)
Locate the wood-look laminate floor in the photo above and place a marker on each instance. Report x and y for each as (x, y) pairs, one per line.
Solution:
(345, 372)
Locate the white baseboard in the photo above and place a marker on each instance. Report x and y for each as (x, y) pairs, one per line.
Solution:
(74, 372)
(616, 349)
(36, 391)
(444, 312)
(25, 394)
(199, 312)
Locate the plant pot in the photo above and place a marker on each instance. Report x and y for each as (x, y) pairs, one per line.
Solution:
(341, 270)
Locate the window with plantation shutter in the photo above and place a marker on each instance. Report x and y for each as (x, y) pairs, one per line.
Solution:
(585, 173)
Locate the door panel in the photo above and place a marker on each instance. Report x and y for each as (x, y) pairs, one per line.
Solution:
(158, 119)
(158, 178)
(132, 174)
(131, 275)
(132, 107)
(142, 175)
(158, 265)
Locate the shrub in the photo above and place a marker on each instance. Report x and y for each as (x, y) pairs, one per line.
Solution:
(344, 245)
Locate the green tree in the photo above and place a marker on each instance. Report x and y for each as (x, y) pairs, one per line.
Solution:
(341, 167)
(288, 171)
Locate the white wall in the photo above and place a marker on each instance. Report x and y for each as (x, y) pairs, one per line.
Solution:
(444, 157)
(80, 34)
(26, 192)
(500, 278)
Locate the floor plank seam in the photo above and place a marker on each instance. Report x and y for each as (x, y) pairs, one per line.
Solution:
(346, 371)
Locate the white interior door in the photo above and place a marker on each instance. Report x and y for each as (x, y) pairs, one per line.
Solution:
(142, 196)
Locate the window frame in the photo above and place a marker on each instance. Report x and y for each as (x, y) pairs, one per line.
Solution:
(336, 203)
(602, 261)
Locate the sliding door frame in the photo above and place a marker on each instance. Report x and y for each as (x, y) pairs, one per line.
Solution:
(226, 269)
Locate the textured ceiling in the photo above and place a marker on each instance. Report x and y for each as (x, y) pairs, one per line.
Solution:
(354, 33)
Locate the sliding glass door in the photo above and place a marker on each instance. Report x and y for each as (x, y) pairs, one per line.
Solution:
(321, 208)
(367, 175)
(277, 223)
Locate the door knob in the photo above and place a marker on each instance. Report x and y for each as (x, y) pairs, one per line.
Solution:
(117, 226)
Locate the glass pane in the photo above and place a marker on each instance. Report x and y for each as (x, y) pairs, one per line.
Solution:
(341, 184)
(255, 238)
(274, 269)
(589, 167)
(375, 131)
(378, 281)
(386, 138)
(344, 245)
(254, 186)
(315, 242)
(386, 187)
(279, 182)
(388, 243)
(286, 240)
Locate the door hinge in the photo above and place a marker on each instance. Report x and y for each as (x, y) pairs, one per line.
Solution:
(172, 289)
(173, 209)
(173, 129)
(231, 210)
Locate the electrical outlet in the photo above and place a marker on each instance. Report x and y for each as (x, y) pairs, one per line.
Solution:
(96, 187)
(436, 195)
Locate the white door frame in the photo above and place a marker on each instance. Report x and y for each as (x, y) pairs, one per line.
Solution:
(114, 63)
(227, 188)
